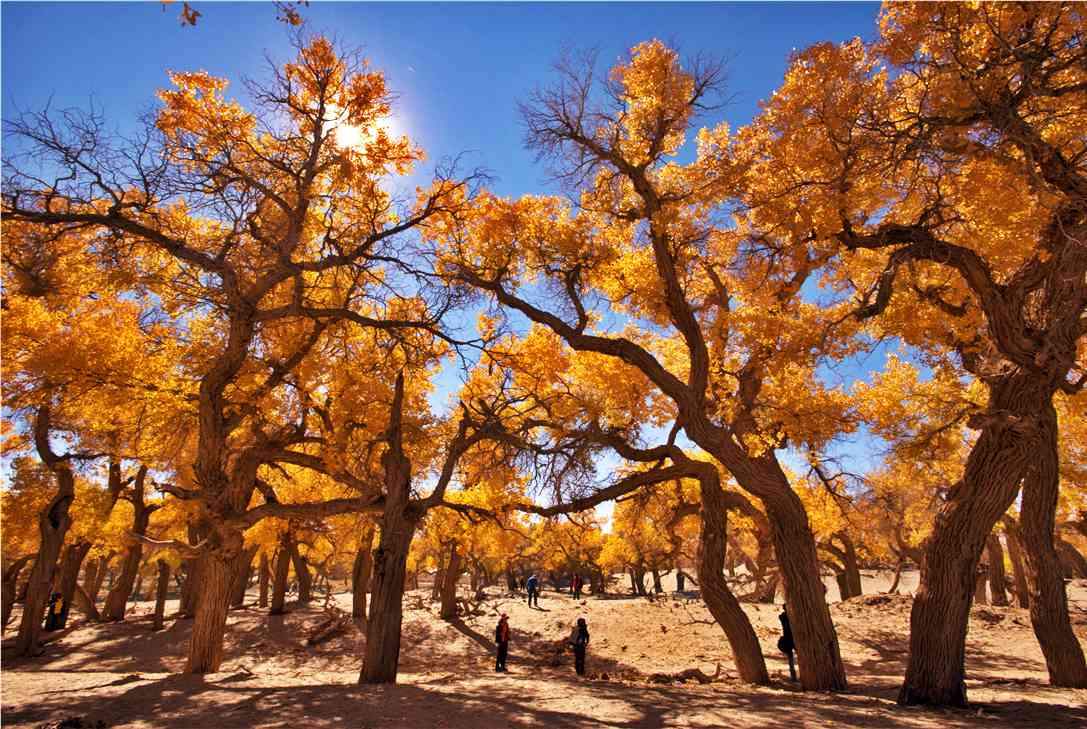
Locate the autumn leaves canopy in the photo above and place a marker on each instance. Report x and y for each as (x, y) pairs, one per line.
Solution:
(239, 298)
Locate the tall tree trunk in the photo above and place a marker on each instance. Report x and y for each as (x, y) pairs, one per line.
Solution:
(852, 569)
(1048, 601)
(936, 668)
(243, 569)
(844, 587)
(997, 579)
(1019, 569)
(449, 584)
(399, 521)
(209, 625)
(90, 577)
(130, 566)
(263, 580)
(361, 574)
(382, 657)
(161, 588)
(10, 587)
(53, 525)
(680, 578)
(302, 574)
(279, 584)
(719, 600)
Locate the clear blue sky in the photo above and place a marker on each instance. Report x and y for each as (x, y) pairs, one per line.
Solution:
(459, 69)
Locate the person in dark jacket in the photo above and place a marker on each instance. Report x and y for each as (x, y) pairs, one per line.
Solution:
(533, 587)
(579, 641)
(502, 640)
(785, 642)
(576, 587)
(54, 619)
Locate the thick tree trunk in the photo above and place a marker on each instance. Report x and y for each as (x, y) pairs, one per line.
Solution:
(206, 644)
(657, 587)
(382, 657)
(449, 584)
(161, 588)
(935, 672)
(680, 578)
(10, 587)
(719, 600)
(68, 580)
(852, 569)
(997, 579)
(1019, 570)
(53, 525)
(263, 602)
(243, 569)
(302, 574)
(843, 585)
(1048, 601)
(361, 574)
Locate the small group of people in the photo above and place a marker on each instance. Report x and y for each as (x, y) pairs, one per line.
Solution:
(578, 642)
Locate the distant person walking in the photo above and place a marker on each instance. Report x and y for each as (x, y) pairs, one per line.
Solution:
(502, 640)
(533, 587)
(785, 642)
(579, 641)
(576, 586)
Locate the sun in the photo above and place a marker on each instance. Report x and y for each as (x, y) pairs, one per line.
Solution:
(353, 137)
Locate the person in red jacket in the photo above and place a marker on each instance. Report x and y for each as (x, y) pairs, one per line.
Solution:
(502, 640)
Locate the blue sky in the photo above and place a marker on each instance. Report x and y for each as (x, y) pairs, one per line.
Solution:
(459, 69)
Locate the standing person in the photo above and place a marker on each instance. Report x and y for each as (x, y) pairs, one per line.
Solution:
(56, 611)
(502, 641)
(533, 586)
(577, 587)
(785, 642)
(579, 640)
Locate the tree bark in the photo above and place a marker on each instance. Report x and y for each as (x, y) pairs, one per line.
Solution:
(302, 574)
(719, 600)
(53, 525)
(118, 595)
(243, 569)
(361, 574)
(190, 591)
(100, 569)
(657, 587)
(449, 584)
(1070, 556)
(893, 589)
(680, 577)
(1048, 601)
(279, 584)
(1019, 570)
(981, 579)
(10, 585)
(161, 589)
(209, 625)
(997, 579)
(263, 580)
(68, 580)
(382, 656)
(936, 668)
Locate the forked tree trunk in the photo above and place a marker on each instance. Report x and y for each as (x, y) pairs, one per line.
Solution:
(719, 600)
(361, 574)
(1019, 570)
(10, 587)
(53, 525)
(449, 584)
(243, 569)
(68, 580)
(302, 574)
(936, 668)
(997, 579)
(263, 602)
(118, 595)
(161, 588)
(101, 567)
(1048, 601)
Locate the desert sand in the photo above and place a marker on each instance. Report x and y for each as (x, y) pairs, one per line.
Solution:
(125, 675)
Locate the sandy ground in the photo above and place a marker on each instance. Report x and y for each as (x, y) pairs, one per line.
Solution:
(126, 676)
